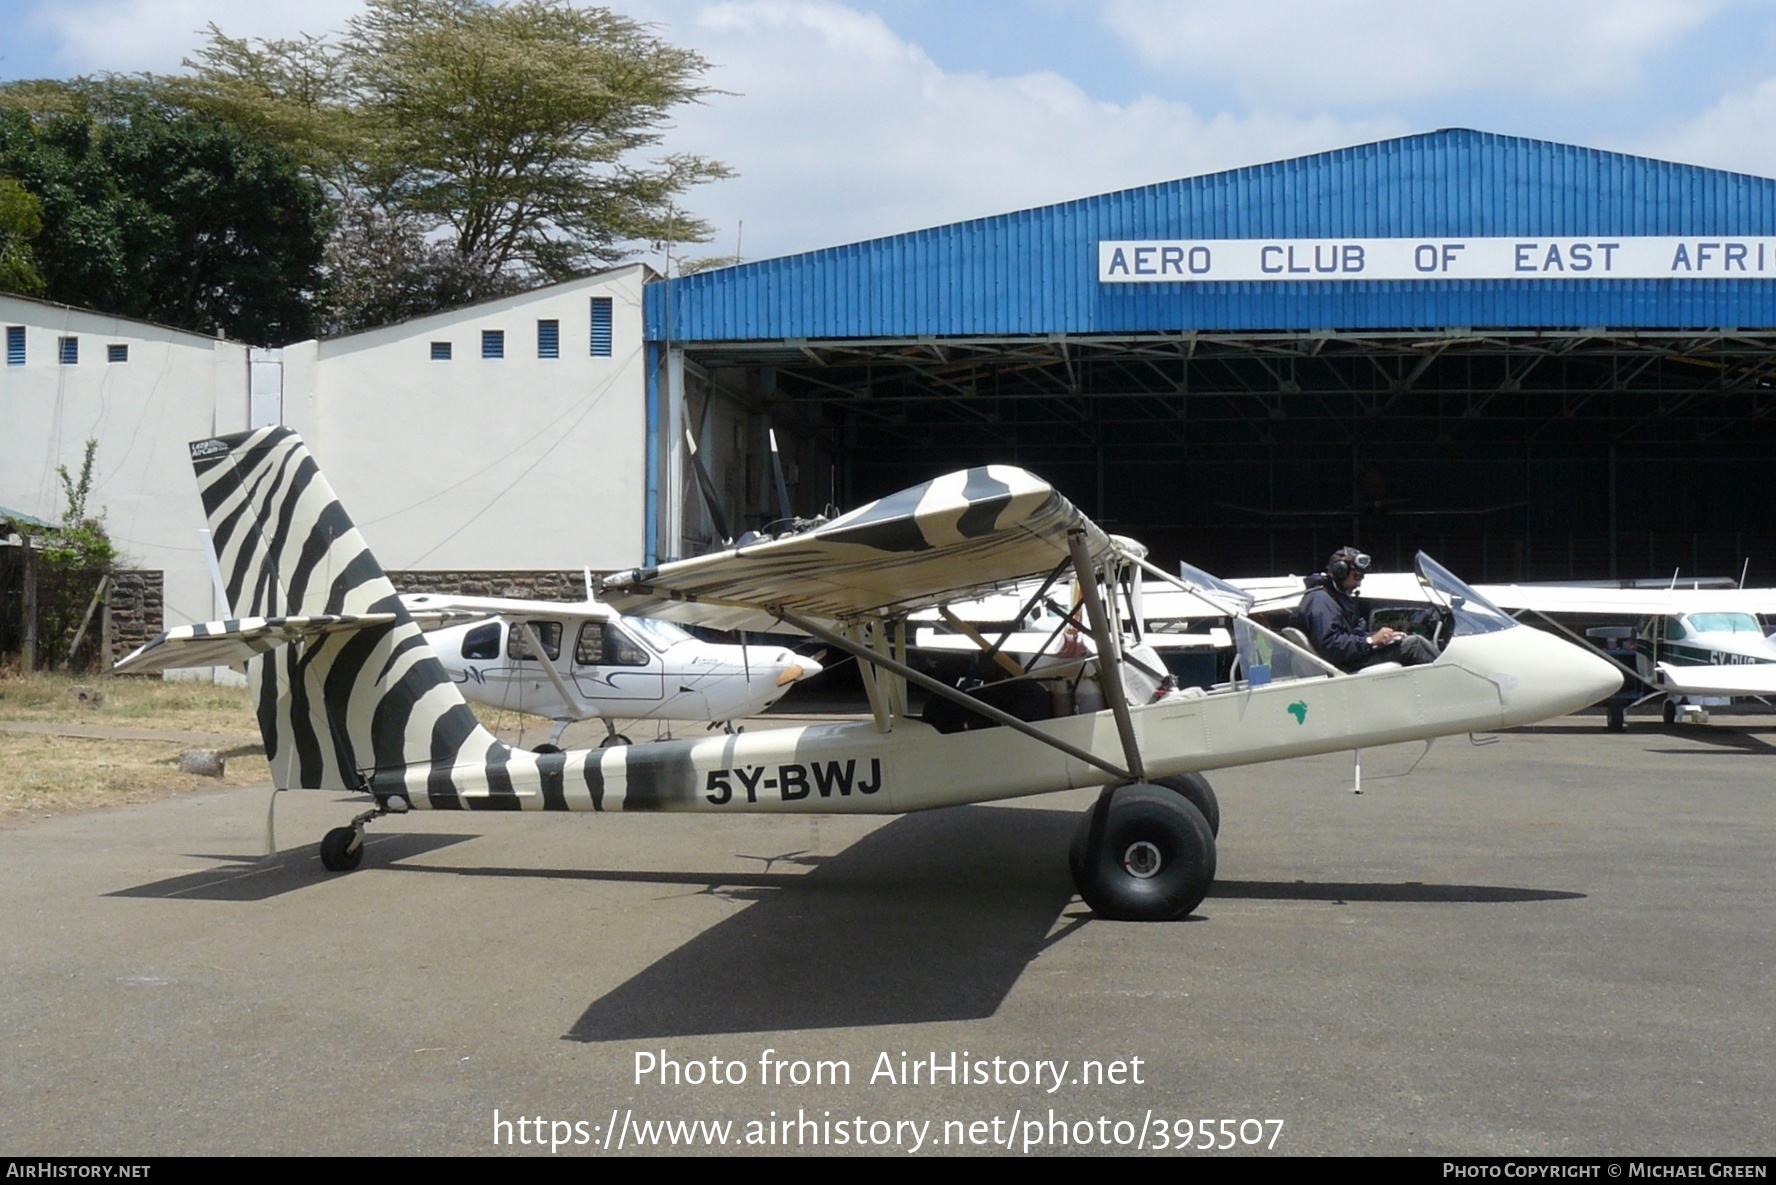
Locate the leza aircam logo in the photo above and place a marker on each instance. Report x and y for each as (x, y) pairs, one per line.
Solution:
(794, 781)
(207, 448)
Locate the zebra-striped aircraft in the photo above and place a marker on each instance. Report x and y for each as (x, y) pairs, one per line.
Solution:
(351, 697)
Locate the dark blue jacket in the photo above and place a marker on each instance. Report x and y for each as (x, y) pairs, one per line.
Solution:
(1334, 623)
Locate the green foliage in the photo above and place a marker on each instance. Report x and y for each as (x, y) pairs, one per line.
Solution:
(76, 555)
(80, 542)
(506, 134)
(151, 209)
(21, 218)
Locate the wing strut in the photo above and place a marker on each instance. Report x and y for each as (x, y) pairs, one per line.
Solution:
(865, 655)
(1109, 652)
(570, 697)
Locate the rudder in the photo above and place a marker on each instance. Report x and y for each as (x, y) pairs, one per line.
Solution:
(338, 707)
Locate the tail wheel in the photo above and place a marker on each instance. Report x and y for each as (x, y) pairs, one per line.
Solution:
(1143, 854)
(342, 849)
(1198, 793)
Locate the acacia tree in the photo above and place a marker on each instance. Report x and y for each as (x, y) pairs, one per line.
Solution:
(509, 134)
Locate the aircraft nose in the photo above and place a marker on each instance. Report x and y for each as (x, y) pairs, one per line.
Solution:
(799, 668)
(1541, 676)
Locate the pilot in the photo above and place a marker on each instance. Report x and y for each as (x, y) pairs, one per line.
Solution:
(1335, 624)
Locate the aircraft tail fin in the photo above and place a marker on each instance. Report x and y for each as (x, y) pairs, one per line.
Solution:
(334, 706)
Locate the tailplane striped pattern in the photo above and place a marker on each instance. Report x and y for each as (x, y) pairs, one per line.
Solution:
(357, 710)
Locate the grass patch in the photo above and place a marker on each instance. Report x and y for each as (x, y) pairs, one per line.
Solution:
(130, 702)
(47, 775)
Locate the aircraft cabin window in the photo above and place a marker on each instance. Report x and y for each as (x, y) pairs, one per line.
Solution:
(1673, 629)
(603, 644)
(482, 642)
(547, 632)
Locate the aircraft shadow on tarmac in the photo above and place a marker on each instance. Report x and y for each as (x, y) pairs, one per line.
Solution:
(932, 917)
(1404, 891)
(257, 878)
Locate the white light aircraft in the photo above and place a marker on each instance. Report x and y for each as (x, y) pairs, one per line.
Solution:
(598, 663)
(351, 697)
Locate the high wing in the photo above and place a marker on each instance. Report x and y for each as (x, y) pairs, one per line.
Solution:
(227, 643)
(962, 535)
(1580, 599)
(436, 610)
(1636, 602)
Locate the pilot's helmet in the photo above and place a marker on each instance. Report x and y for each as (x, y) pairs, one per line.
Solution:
(1344, 561)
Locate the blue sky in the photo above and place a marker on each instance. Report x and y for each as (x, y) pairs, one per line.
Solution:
(848, 120)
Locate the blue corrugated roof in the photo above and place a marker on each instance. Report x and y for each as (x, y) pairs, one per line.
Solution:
(1035, 271)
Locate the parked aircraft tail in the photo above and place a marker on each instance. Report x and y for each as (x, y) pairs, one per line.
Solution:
(344, 685)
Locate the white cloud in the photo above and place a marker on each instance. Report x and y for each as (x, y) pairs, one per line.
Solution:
(841, 130)
(128, 36)
(1733, 134)
(1284, 54)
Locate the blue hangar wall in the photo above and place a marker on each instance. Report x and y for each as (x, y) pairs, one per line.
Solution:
(1542, 427)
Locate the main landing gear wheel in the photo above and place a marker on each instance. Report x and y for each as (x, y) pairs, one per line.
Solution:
(1671, 711)
(615, 738)
(1615, 717)
(1198, 793)
(342, 849)
(1143, 854)
(546, 749)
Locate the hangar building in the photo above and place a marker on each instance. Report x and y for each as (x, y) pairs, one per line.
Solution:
(1533, 360)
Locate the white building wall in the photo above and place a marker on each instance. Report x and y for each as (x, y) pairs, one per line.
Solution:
(521, 463)
(175, 387)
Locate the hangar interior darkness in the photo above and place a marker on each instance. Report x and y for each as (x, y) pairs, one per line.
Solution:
(1508, 455)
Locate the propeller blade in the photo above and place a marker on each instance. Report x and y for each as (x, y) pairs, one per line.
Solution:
(783, 510)
(711, 504)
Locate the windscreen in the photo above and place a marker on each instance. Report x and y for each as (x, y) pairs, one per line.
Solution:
(1473, 613)
(1724, 623)
(661, 635)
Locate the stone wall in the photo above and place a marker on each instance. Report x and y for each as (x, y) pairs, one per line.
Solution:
(138, 611)
(527, 586)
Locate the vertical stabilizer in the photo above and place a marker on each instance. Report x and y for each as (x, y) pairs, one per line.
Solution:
(336, 708)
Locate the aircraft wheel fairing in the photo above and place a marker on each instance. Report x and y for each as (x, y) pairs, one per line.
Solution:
(338, 852)
(1198, 793)
(1150, 859)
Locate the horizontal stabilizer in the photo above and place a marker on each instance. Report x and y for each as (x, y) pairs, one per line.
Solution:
(1752, 678)
(229, 643)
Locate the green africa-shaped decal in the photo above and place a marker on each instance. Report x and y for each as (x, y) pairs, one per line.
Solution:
(1298, 709)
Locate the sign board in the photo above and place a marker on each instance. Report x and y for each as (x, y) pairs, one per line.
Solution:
(1165, 261)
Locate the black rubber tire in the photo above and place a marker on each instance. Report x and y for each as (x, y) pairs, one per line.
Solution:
(1198, 793)
(1671, 711)
(336, 851)
(1145, 822)
(617, 739)
(1615, 718)
(546, 749)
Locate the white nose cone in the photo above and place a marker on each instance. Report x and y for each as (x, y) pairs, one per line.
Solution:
(798, 668)
(1540, 676)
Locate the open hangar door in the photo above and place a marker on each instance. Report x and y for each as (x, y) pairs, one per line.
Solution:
(1507, 455)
